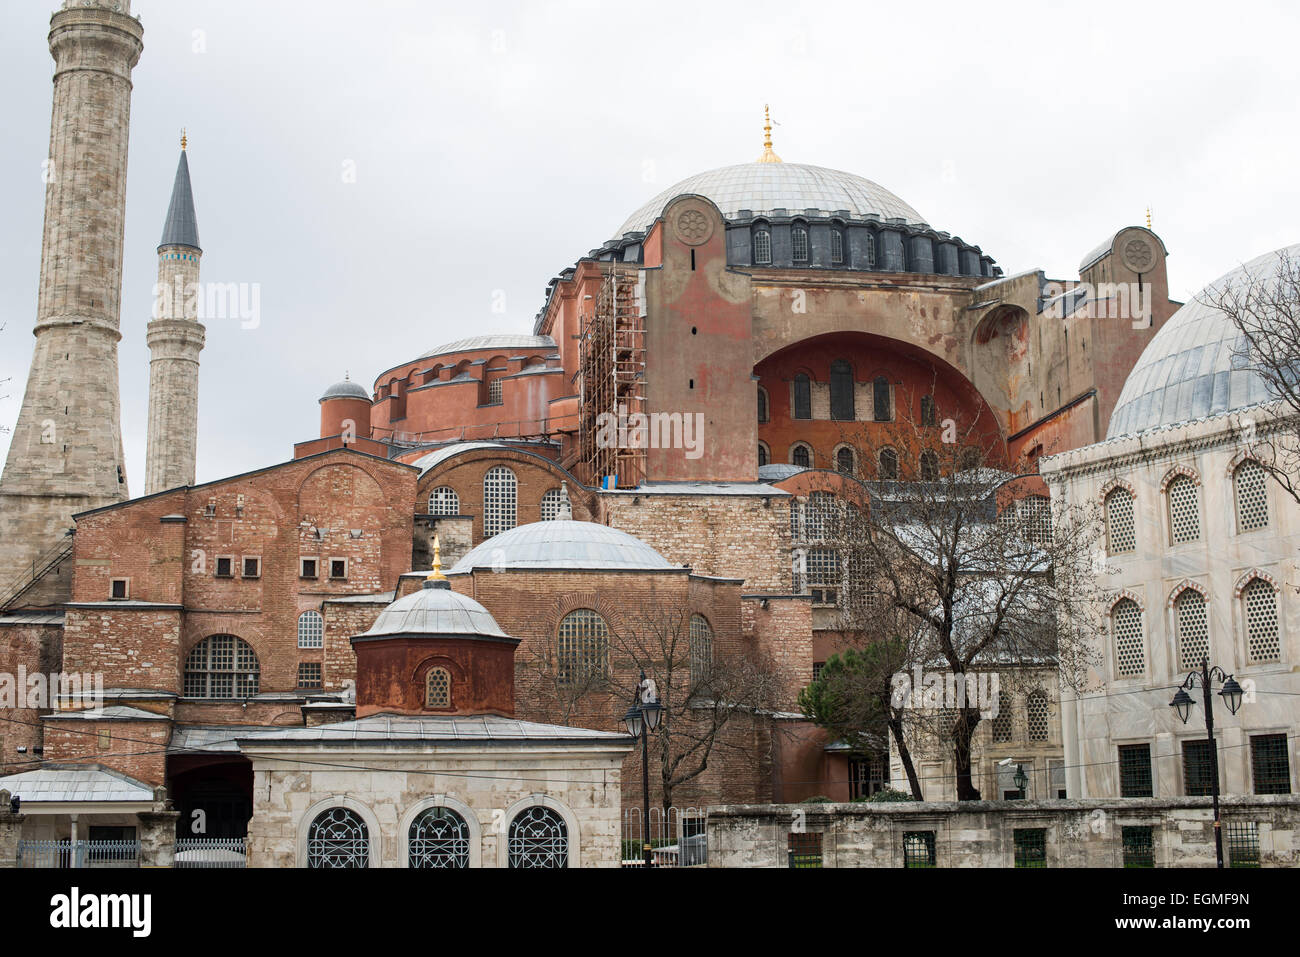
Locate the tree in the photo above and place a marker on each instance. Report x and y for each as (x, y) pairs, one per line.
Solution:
(1263, 304)
(974, 568)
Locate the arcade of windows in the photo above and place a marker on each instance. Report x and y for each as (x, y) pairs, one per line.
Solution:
(802, 246)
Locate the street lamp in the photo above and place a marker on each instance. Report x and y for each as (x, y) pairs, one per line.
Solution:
(642, 718)
(1020, 780)
(1231, 694)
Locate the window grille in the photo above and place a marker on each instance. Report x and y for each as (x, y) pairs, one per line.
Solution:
(1259, 601)
(824, 575)
(1241, 843)
(868, 775)
(1121, 535)
(309, 675)
(438, 838)
(804, 849)
(444, 501)
(1252, 496)
(538, 839)
(1139, 846)
(337, 839)
(221, 666)
(1037, 717)
(918, 849)
(582, 646)
(311, 630)
(437, 688)
(1270, 764)
(1126, 631)
(1031, 846)
(762, 247)
(701, 649)
(500, 492)
(1197, 769)
(551, 503)
(1135, 770)
(1193, 629)
(1035, 513)
(1184, 510)
(1002, 722)
(494, 392)
(799, 244)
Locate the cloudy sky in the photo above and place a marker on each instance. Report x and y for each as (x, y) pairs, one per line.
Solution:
(493, 144)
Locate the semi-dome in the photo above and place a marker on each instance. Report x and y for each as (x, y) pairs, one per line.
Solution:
(347, 389)
(1195, 365)
(766, 186)
(502, 342)
(563, 545)
(435, 610)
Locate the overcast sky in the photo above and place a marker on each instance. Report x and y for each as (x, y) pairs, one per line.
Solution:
(495, 143)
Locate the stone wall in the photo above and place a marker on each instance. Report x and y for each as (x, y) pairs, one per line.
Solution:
(982, 833)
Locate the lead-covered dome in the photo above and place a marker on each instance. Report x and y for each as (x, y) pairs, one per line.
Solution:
(347, 389)
(563, 545)
(794, 187)
(435, 610)
(1196, 364)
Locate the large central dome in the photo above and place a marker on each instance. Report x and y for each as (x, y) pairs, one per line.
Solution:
(794, 187)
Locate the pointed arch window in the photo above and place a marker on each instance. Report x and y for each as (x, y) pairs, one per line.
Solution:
(1037, 718)
(1193, 629)
(1121, 534)
(1259, 609)
(1002, 729)
(1126, 633)
(1251, 493)
(1184, 510)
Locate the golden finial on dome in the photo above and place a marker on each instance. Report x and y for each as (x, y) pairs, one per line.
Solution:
(184, 139)
(436, 575)
(1148, 217)
(768, 155)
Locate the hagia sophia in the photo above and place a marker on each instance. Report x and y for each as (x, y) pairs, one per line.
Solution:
(431, 575)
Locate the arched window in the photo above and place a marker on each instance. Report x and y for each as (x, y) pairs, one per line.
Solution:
(762, 247)
(841, 391)
(1037, 721)
(221, 666)
(437, 688)
(871, 250)
(1251, 492)
(701, 649)
(551, 502)
(888, 465)
(802, 396)
(799, 244)
(1121, 533)
(763, 455)
(1002, 726)
(500, 491)
(881, 400)
(582, 648)
(844, 460)
(762, 405)
(801, 455)
(1259, 608)
(837, 247)
(438, 838)
(311, 630)
(338, 838)
(1126, 633)
(929, 466)
(1193, 629)
(1184, 510)
(444, 501)
(538, 839)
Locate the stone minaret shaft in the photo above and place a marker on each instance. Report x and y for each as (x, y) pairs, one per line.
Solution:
(66, 452)
(175, 339)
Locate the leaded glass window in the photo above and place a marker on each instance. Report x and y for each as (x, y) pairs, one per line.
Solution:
(1126, 631)
(1037, 719)
(494, 392)
(799, 244)
(338, 839)
(582, 646)
(500, 501)
(311, 630)
(1002, 727)
(1259, 601)
(437, 688)
(762, 247)
(538, 839)
(1121, 536)
(221, 666)
(444, 501)
(1192, 623)
(1252, 496)
(438, 838)
(1184, 510)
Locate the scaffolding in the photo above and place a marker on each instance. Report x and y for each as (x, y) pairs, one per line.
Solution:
(612, 374)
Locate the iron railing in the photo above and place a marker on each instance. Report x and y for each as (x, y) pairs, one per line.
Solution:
(677, 837)
(95, 854)
(224, 852)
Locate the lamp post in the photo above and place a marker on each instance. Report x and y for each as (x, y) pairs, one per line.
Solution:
(1182, 703)
(1021, 780)
(640, 720)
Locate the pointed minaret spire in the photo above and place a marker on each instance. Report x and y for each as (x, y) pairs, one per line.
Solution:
(175, 338)
(768, 155)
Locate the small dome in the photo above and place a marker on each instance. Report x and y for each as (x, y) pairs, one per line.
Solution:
(1195, 365)
(435, 610)
(347, 389)
(794, 187)
(563, 545)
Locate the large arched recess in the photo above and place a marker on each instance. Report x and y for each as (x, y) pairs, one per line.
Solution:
(912, 373)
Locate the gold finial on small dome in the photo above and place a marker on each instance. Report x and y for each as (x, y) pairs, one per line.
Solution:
(1148, 217)
(436, 575)
(184, 139)
(768, 155)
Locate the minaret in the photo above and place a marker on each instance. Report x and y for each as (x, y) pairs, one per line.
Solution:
(66, 453)
(175, 338)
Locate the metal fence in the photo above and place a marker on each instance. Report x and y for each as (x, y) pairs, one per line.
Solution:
(95, 854)
(677, 837)
(211, 852)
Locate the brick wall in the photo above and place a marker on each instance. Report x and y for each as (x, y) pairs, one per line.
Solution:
(135, 748)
